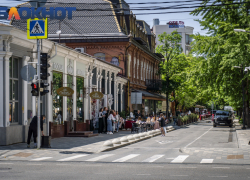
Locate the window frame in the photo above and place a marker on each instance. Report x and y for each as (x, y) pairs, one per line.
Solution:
(11, 82)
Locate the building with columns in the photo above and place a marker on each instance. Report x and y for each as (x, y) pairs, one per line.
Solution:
(68, 68)
(117, 37)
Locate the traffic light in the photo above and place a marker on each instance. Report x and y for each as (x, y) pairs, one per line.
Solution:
(34, 89)
(44, 66)
(42, 89)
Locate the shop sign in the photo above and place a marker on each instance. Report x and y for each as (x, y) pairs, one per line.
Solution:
(96, 95)
(65, 91)
(176, 24)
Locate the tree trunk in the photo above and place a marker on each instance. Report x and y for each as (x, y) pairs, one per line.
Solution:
(167, 105)
(247, 106)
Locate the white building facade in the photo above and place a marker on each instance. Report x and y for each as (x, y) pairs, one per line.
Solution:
(184, 31)
(68, 68)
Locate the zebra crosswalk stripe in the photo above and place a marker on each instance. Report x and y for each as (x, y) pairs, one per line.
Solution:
(207, 161)
(40, 159)
(100, 157)
(180, 159)
(73, 157)
(123, 159)
(153, 158)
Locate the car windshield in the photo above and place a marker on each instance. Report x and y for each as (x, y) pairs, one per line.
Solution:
(222, 113)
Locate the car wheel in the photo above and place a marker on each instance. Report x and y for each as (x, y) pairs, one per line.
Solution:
(230, 125)
(214, 125)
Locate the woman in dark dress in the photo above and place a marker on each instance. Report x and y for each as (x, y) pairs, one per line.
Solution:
(100, 130)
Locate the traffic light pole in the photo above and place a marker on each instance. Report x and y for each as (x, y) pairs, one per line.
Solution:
(39, 96)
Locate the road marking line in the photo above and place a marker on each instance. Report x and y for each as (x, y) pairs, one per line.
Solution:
(40, 159)
(34, 164)
(198, 138)
(188, 167)
(123, 159)
(180, 159)
(153, 158)
(179, 175)
(5, 163)
(73, 157)
(207, 161)
(222, 167)
(218, 176)
(100, 157)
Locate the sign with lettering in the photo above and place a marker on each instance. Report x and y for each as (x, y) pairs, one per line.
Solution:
(176, 24)
(65, 91)
(96, 95)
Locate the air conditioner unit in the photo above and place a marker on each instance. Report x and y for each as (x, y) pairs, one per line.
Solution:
(81, 50)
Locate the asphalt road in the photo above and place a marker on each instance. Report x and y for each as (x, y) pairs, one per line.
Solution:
(155, 158)
(79, 170)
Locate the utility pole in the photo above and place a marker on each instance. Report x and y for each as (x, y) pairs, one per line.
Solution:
(39, 96)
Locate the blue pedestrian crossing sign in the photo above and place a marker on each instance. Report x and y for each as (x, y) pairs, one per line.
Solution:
(37, 28)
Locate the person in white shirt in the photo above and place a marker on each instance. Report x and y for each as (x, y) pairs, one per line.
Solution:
(59, 118)
(109, 122)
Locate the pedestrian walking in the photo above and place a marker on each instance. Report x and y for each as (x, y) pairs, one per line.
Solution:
(162, 122)
(100, 130)
(33, 130)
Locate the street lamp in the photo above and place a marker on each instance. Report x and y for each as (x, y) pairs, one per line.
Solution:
(243, 93)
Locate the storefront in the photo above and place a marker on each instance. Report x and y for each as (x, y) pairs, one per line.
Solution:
(68, 68)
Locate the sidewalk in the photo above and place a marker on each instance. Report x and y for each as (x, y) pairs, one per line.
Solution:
(66, 144)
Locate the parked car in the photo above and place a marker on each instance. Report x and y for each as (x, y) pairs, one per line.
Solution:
(224, 118)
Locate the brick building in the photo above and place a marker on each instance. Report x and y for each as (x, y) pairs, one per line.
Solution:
(108, 30)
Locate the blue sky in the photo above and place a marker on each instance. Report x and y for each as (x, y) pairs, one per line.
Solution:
(164, 18)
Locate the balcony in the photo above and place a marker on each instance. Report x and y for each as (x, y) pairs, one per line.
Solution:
(154, 85)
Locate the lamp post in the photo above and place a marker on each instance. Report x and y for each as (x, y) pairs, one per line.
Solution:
(243, 89)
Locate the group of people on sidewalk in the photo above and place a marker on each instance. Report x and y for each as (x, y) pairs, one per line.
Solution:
(109, 121)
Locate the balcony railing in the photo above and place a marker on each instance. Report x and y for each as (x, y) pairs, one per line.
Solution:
(154, 84)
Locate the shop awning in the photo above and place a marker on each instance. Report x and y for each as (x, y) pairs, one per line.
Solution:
(151, 96)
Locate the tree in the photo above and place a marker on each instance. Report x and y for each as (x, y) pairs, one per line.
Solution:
(174, 63)
(224, 49)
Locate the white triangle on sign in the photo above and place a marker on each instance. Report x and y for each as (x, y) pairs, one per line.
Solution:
(37, 29)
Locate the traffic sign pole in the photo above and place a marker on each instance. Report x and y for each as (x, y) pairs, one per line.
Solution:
(39, 97)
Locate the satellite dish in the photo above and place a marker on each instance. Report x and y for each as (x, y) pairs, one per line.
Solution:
(38, 3)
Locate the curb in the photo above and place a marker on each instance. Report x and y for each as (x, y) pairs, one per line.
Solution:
(123, 144)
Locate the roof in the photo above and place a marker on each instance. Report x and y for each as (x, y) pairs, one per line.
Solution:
(144, 26)
(90, 17)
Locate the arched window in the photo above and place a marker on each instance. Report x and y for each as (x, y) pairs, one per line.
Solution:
(115, 61)
(100, 56)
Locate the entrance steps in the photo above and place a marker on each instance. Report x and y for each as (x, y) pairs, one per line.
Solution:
(81, 134)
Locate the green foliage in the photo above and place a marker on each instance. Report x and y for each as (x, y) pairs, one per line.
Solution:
(223, 50)
(123, 114)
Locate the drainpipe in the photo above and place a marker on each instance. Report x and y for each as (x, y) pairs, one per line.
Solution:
(126, 69)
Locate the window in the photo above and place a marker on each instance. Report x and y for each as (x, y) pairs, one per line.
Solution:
(188, 39)
(100, 56)
(79, 98)
(13, 89)
(57, 100)
(115, 61)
